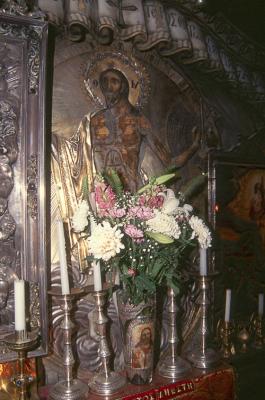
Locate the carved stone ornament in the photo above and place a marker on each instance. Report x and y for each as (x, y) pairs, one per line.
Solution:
(22, 185)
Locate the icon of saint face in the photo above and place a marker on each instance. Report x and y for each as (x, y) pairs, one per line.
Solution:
(112, 84)
(146, 336)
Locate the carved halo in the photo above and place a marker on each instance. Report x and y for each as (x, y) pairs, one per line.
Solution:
(135, 72)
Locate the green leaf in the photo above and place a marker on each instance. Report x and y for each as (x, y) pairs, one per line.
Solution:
(85, 187)
(158, 265)
(160, 237)
(160, 180)
(145, 283)
(113, 180)
(194, 186)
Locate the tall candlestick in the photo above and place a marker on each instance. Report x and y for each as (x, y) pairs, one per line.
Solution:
(203, 262)
(227, 305)
(20, 319)
(261, 304)
(62, 257)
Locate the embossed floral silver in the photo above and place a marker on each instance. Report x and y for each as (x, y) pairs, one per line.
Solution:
(138, 333)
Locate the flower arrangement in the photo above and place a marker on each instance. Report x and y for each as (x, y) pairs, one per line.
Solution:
(143, 236)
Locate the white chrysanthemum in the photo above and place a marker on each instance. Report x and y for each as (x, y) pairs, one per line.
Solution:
(79, 219)
(201, 231)
(166, 224)
(105, 241)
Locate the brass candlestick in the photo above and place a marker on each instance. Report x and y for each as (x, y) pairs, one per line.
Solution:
(106, 382)
(171, 365)
(70, 388)
(22, 342)
(257, 323)
(202, 355)
(225, 332)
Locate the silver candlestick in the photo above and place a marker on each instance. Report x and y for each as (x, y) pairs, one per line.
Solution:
(22, 342)
(70, 388)
(171, 365)
(202, 355)
(106, 382)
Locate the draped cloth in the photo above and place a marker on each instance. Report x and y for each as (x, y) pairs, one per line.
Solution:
(72, 161)
(172, 30)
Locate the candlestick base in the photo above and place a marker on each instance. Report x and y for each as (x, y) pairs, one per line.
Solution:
(22, 342)
(204, 359)
(173, 368)
(64, 390)
(104, 385)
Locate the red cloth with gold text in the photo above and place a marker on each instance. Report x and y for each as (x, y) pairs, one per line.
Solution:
(217, 385)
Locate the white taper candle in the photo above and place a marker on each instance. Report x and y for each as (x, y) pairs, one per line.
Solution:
(20, 318)
(203, 262)
(95, 264)
(97, 276)
(63, 259)
(261, 304)
(227, 305)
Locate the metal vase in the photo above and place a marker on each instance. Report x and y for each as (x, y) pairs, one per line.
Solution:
(138, 334)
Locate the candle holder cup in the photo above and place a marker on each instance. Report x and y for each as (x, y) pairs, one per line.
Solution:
(22, 342)
(106, 382)
(70, 388)
(171, 365)
(202, 355)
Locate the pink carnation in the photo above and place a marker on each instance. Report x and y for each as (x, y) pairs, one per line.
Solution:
(105, 197)
(151, 202)
(136, 234)
(143, 213)
(117, 212)
(156, 201)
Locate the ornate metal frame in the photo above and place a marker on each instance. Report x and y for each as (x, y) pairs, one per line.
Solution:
(218, 158)
(23, 168)
(236, 180)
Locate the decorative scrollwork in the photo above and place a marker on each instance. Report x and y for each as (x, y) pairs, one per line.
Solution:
(32, 186)
(33, 35)
(34, 310)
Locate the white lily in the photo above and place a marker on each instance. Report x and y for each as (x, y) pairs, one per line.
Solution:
(171, 203)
